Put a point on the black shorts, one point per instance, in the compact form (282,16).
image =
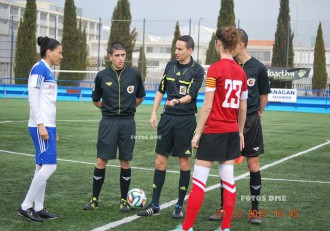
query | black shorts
(116,133)
(219,147)
(174,135)
(253,139)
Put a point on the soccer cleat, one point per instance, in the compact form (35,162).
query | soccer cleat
(92,204)
(177,213)
(29,214)
(149,211)
(255,220)
(179,228)
(44,213)
(217,216)
(124,206)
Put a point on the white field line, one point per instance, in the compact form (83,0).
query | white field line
(173,202)
(152,169)
(170,203)
(300,181)
(84,162)
(78,121)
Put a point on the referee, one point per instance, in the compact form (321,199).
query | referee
(118,91)
(181,81)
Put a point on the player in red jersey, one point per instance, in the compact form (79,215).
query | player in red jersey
(219,133)
(258,88)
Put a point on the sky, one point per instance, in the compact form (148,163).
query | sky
(257,17)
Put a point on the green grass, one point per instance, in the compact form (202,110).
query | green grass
(285,133)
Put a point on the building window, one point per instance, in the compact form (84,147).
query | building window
(3,7)
(52,19)
(51,32)
(15,26)
(3,11)
(4,28)
(14,10)
(149,49)
(60,20)
(43,17)
(60,33)
(152,63)
(91,28)
(168,50)
(157,50)
(43,30)
(84,24)
(263,56)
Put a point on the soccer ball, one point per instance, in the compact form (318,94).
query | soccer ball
(136,198)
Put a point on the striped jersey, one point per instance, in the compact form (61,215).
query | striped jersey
(228,81)
(42,88)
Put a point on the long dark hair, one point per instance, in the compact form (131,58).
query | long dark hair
(46,43)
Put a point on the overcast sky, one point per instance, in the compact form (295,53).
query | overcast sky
(257,17)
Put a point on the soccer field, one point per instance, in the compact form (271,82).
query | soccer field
(295,171)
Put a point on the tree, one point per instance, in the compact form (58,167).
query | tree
(120,30)
(282,34)
(226,18)
(26,43)
(319,79)
(211,53)
(177,35)
(142,64)
(82,50)
(71,45)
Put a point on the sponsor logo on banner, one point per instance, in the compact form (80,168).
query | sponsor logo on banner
(282,95)
(287,74)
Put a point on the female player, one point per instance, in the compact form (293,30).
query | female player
(42,90)
(219,133)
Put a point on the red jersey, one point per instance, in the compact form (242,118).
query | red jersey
(228,80)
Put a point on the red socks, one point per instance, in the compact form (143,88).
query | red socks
(229,194)
(196,196)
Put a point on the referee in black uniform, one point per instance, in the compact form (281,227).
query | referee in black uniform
(258,87)
(181,81)
(121,90)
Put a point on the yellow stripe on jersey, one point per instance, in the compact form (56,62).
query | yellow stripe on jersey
(162,83)
(185,82)
(210,82)
(191,82)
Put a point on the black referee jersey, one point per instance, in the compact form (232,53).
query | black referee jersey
(118,91)
(257,81)
(181,80)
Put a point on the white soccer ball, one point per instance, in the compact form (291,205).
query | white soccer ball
(136,198)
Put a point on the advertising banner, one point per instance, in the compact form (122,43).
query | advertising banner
(287,74)
(282,95)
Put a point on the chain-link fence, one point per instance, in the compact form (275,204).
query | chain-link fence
(156,37)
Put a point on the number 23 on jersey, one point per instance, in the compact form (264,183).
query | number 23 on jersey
(233,93)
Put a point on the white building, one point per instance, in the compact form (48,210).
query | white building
(49,23)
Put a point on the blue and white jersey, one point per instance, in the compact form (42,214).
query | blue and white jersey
(42,89)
